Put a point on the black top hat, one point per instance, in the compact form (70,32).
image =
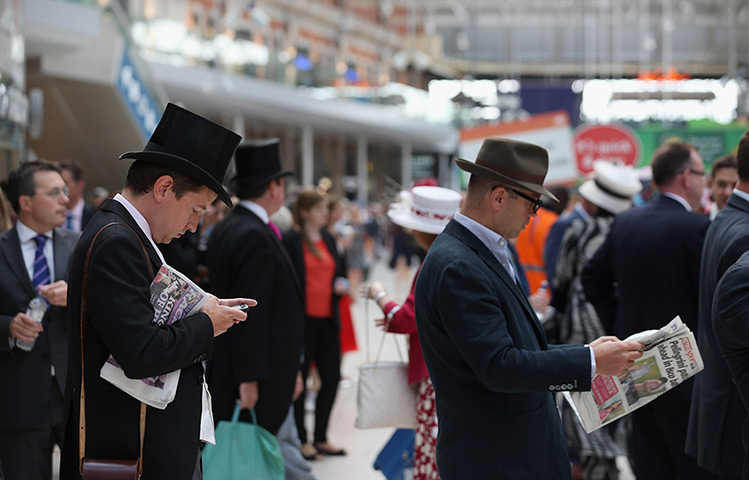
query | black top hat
(513,163)
(258,162)
(191,145)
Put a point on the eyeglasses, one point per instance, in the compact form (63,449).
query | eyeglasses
(536,202)
(56,193)
(695,172)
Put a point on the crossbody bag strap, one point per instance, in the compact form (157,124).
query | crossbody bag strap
(84,323)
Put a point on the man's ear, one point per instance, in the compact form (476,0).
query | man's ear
(161,187)
(497,197)
(24,203)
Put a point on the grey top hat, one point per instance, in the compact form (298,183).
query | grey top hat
(192,145)
(512,163)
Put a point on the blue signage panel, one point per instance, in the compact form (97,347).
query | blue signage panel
(145,110)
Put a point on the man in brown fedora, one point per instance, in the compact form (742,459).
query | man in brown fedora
(169,185)
(494,374)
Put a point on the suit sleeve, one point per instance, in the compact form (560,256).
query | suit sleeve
(598,284)
(120,311)
(731,324)
(479,323)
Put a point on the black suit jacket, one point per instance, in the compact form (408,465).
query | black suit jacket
(25,377)
(120,323)
(717,413)
(494,374)
(88,213)
(292,241)
(731,327)
(246,259)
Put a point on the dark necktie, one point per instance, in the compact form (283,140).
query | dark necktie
(41,268)
(275,229)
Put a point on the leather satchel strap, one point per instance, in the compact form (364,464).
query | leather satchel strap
(84,323)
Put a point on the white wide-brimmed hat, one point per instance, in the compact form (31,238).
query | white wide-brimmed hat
(612,186)
(426,209)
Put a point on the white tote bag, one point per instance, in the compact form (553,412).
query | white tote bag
(384,398)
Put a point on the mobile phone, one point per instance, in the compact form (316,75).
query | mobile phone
(243,307)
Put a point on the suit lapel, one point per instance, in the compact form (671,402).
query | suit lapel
(11,249)
(118,209)
(464,235)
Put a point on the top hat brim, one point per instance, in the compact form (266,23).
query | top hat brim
(473,168)
(183,166)
(248,184)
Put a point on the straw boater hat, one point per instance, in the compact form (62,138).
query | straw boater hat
(612,186)
(258,162)
(425,209)
(191,145)
(511,163)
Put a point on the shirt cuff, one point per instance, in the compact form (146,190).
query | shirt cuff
(592,362)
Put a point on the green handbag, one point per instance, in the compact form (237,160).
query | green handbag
(243,451)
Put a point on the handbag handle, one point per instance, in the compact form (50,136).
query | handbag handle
(235,415)
(84,323)
(382,340)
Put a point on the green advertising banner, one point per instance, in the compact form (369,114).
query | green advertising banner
(712,139)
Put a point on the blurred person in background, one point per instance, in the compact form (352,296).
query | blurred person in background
(724,176)
(34,258)
(7,214)
(315,258)
(79,212)
(611,191)
(348,243)
(424,211)
(97,195)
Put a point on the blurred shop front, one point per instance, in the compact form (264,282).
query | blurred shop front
(14,116)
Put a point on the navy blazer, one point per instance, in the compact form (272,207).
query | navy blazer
(729,318)
(717,413)
(120,323)
(26,382)
(245,259)
(494,374)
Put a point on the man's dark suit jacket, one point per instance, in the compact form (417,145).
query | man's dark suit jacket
(646,273)
(88,213)
(26,390)
(731,328)
(246,259)
(717,413)
(120,323)
(494,374)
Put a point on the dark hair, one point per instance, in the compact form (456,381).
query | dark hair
(724,161)
(256,192)
(478,187)
(142,175)
(742,157)
(21,180)
(75,169)
(305,201)
(669,160)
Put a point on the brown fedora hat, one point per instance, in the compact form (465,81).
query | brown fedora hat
(512,163)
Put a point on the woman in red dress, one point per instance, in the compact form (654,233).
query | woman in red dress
(425,211)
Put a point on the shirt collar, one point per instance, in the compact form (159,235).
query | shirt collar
(495,242)
(679,199)
(26,234)
(141,221)
(256,209)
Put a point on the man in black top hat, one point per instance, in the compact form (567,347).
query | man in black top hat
(494,373)
(170,184)
(257,362)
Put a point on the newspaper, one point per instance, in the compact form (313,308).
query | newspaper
(670,356)
(173,297)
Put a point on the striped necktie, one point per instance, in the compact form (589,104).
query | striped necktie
(41,268)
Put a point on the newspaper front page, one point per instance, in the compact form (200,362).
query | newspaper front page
(670,357)
(173,297)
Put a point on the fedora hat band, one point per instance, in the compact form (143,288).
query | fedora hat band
(512,173)
(608,191)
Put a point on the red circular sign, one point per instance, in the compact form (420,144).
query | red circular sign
(614,143)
